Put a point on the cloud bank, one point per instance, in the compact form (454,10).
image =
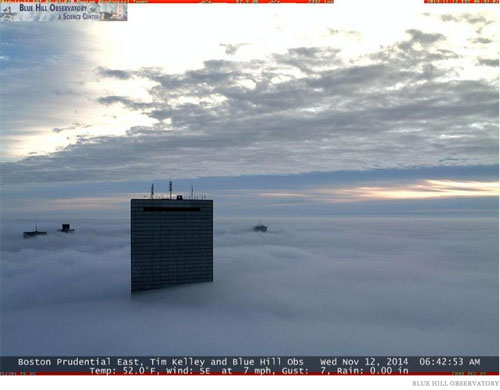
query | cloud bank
(325,286)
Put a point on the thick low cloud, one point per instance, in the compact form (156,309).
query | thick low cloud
(324,286)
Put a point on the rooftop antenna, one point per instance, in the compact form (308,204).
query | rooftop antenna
(170,188)
(191,192)
(152,191)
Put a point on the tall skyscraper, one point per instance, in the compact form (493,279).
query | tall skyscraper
(171,242)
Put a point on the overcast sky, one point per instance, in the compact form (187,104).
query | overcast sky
(288,90)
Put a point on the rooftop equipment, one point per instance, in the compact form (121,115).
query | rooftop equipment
(260,227)
(34,233)
(66,228)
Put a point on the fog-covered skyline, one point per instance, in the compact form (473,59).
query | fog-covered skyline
(355,286)
(366,140)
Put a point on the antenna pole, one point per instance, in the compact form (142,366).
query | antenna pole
(170,188)
(152,191)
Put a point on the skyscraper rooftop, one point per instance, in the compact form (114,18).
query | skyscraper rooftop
(171,242)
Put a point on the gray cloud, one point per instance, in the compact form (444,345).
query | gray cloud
(231,49)
(130,103)
(309,59)
(488,62)
(297,112)
(479,20)
(74,126)
(482,40)
(469,18)
(423,38)
(113,73)
(332,286)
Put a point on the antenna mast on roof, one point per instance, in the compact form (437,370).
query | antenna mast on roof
(152,191)
(170,188)
(191,192)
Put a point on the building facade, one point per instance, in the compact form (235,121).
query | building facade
(171,242)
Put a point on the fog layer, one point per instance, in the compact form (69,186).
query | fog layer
(374,286)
